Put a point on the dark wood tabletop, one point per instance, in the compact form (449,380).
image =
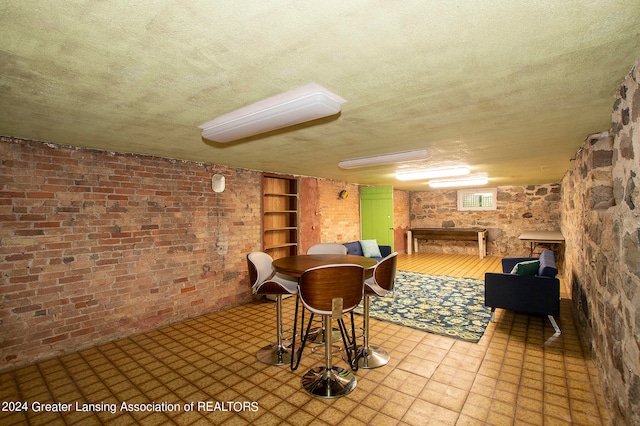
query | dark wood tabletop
(296,265)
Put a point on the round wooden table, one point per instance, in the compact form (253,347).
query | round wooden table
(296,265)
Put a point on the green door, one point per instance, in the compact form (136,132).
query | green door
(376,214)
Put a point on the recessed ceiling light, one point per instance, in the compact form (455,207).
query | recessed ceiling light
(432,173)
(474,180)
(287,109)
(395,157)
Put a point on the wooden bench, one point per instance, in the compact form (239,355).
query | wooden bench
(457,234)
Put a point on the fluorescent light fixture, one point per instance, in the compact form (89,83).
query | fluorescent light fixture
(473,180)
(395,157)
(432,173)
(287,109)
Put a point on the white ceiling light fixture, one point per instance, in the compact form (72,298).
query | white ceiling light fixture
(297,106)
(433,173)
(473,180)
(376,160)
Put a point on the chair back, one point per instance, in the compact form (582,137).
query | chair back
(260,269)
(384,273)
(319,286)
(327,248)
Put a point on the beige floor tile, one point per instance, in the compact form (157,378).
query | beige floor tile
(509,377)
(454,377)
(397,405)
(445,396)
(419,366)
(405,382)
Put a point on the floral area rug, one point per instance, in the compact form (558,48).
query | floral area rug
(442,305)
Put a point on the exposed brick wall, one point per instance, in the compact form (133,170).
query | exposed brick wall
(324,217)
(96,245)
(601,223)
(519,209)
(340,218)
(327,218)
(310,220)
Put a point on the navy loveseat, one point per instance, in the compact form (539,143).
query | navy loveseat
(355,247)
(536,291)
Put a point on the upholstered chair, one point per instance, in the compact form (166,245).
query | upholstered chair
(265,281)
(382,281)
(327,248)
(330,291)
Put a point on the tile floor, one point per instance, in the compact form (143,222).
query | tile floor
(204,371)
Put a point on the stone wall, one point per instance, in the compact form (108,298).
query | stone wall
(601,224)
(519,208)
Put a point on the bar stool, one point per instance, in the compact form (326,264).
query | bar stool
(266,281)
(316,336)
(330,291)
(384,275)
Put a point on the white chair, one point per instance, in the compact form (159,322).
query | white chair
(327,248)
(264,280)
(382,281)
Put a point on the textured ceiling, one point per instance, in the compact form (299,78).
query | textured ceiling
(510,88)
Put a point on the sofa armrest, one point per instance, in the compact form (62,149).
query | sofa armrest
(522,293)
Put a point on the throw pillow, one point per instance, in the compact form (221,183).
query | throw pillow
(530,267)
(354,248)
(370,248)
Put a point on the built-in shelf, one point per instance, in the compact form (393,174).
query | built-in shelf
(281,246)
(280,195)
(281,211)
(280,233)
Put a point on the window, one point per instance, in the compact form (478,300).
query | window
(477,199)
